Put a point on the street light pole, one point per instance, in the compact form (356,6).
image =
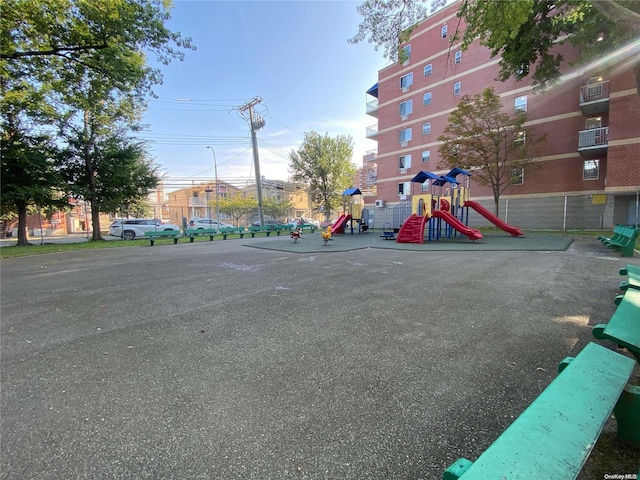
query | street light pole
(215,170)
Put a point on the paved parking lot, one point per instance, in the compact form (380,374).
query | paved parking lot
(215,360)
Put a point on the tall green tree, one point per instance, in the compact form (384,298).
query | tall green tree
(108,171)
(491,144)
(30,176)
(324,163)
(53,52)
(522,32)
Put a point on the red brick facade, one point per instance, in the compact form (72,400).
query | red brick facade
(560,167)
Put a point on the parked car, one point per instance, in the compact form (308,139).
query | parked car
(266,223)
(200,223)
(306,221)
(130,228)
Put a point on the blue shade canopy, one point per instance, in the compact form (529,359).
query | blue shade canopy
(373,91)
(352,191)
(457,171)
(444,180)
(424,176)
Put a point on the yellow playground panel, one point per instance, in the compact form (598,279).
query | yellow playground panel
(421,204)
(459,196)
(425,204)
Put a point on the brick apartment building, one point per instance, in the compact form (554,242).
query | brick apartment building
(587,173)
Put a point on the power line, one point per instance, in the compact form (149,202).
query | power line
(284,125)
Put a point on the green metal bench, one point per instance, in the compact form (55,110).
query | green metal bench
(308,226)
(617,234)
(198,232)
(281,228)
(626,243)
(258,229)
(633,281)
(231,230)
(554,436)
(624,326)
(153,236)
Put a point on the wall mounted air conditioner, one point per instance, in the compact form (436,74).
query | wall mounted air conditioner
(404,117)
(404,144)
(403,171)
(379,203)
(405,89)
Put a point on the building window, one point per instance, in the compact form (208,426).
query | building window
(520,104)
(406,108)
(443,31)
(456,88)
(426,156)
(593,123)
(517,176)
(458,56)
(404,188)
(405,135)
(426,186)
(406,81)
(426,99)
(404,161)
(406,54)
(519,139)
(426,128)
(428,69)
(591,170)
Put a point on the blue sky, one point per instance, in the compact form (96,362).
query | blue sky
(292,54)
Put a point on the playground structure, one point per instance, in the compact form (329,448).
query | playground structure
(354,217)
(445,211)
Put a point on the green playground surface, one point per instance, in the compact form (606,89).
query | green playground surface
(313,243)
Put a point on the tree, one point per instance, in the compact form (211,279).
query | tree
(54,51)
(30,176)
(109,171)
(483,139)
(238,205)
(324,163)
(277,209)
(522,32)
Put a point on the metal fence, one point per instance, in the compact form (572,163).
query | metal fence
(566,212)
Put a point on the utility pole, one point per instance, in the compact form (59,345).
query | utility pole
(256,122)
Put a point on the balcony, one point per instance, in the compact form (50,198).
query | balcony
(370,156)
(372,132)
(372,108)
(593,142)
(594,98)
(197,202)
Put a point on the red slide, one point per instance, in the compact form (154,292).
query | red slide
(472,233)
(514,231)
(338,227)
(412,230)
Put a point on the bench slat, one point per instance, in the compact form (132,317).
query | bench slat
(554,436)
(624,326)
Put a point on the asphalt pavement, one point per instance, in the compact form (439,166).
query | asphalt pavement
(214,360)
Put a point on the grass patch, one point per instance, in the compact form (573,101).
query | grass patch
(38,249)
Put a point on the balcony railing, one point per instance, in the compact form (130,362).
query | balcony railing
(372,108)
(594,141)
(372,132)
(594,98)
(197,202)
(370,156)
